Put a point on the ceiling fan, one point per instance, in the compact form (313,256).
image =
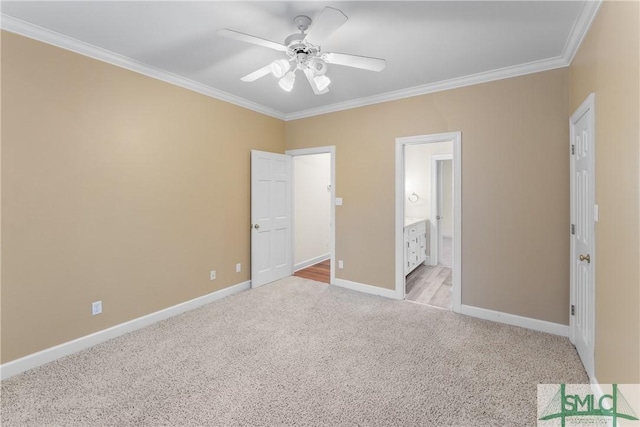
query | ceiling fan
(304,52)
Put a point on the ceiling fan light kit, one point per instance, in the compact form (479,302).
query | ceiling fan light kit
(303,50)
(280,67)
(287,82)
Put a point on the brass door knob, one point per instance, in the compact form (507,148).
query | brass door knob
(586,257)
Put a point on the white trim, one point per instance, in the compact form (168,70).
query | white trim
(367,289)
(331,149)
(474,79)
(580,29)
(34,360)
(515,320)
(313,261)
(595,387)
(23,28)
(578,32)
(456,137)
(598,393)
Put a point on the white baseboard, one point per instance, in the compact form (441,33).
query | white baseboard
(310,262)
(34,360)
(598,393)
(427,260)
(515,320)
(595,387)
(367,289)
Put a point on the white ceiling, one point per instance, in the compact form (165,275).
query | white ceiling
(428,45)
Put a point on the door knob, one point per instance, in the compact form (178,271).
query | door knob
(586,258)
(256,226)
(438,217)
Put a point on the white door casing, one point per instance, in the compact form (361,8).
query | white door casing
(456,137)
(330,149)
(271,213)
(582,244)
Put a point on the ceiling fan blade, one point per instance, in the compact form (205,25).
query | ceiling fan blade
(314,86)
(363,62)
(257,74)
(251,39)
(326,23)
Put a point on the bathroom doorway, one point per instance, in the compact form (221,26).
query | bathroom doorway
(428,220)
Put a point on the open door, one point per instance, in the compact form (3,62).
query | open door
(582,243)
(271,223)
(438,210)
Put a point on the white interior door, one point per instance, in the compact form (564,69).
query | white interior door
(582,318)
(270,217)
(435,237)
(439,203)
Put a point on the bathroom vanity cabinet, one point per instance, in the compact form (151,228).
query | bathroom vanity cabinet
(415,243)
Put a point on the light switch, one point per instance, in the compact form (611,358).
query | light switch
(338,201)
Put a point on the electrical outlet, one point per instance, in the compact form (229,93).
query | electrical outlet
(238,268)
(340,264)
(212,275)
(96,308)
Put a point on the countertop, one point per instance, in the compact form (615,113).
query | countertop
(410,221)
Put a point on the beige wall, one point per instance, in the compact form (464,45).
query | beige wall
(312,207)
(515,187)
(125,189)
(115,187)
(607,64)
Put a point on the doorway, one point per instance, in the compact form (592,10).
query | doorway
(414,198)
(313,238)
(582,242)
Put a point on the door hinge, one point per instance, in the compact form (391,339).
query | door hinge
(573,229)
(573,310)
(573,149)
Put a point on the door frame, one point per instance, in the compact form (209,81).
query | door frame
(587,107)
(401,143)
(434,230)
(330,149)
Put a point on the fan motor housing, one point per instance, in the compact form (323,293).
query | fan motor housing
(302,22)
(298,48)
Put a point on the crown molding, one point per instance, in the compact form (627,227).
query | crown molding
(484,77)
(578,32)
(23,28)
(580,28)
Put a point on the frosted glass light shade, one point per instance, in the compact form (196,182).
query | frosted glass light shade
(322,82)
(286,83)
(280,67)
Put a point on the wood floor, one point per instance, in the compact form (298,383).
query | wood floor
(430,285)
(319,272)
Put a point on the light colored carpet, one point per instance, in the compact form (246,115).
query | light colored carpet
(304,353)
